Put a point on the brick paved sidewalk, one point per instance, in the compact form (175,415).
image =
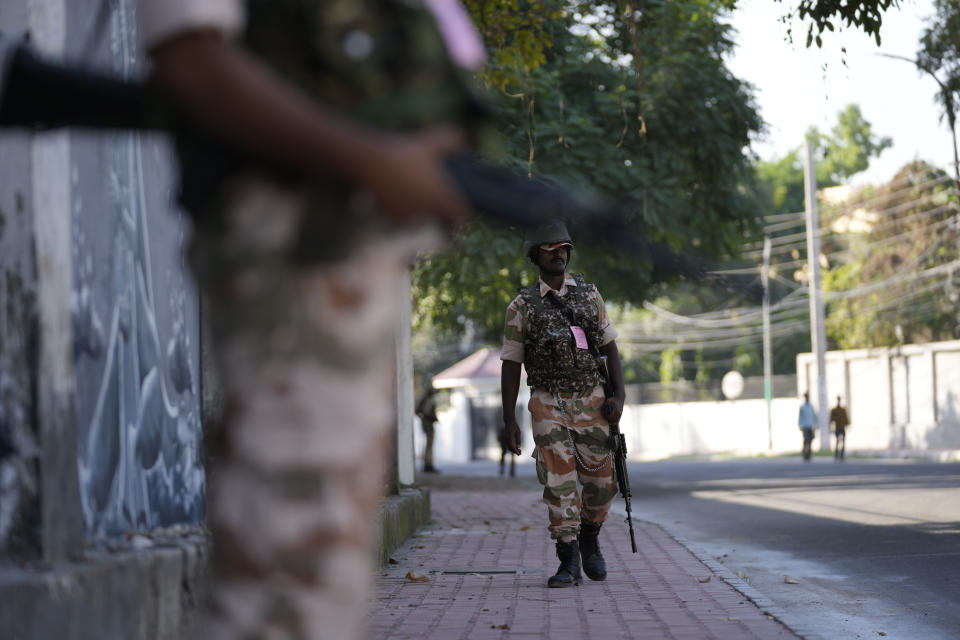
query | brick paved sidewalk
(486,558)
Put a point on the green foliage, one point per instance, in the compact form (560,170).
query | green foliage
(843,153)
(849,147)
(910,232)
(631,102)
(626,104)
(939,55)
(826,15)
(780,182)
(671,365)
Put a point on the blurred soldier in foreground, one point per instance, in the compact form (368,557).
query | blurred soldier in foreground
(307,212)
(558,328)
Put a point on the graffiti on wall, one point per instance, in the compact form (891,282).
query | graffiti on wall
(19,444)
(136,336)
(19,452)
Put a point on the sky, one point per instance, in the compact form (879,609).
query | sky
(797,88)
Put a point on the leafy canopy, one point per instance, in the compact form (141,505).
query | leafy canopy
(939,55)
(627,100)
(631,105)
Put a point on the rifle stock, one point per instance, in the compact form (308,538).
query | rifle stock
(618,445)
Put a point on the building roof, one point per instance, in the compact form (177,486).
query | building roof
(481,366)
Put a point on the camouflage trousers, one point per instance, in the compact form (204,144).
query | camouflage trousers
(307,371)
(559,470)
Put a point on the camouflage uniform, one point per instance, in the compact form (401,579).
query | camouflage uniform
(302,281)
(566,401)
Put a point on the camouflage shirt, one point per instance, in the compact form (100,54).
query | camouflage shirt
(540,335)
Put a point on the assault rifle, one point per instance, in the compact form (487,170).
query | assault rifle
(618,446)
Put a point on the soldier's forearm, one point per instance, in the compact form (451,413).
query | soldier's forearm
(234,94)
(509,389)
(614,368)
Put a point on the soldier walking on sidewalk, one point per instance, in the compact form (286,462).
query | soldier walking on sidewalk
(558,329)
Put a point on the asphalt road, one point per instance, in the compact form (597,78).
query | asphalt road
(860,549)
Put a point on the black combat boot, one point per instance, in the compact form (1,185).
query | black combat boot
(593,563)
(568,575)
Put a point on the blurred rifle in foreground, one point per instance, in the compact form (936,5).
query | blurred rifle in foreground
(40,95)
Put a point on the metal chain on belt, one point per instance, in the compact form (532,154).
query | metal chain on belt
(563,411)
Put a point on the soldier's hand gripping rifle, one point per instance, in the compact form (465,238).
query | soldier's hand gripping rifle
(618,447)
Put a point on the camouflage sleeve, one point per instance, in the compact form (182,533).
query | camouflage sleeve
(609,333)
(514,331)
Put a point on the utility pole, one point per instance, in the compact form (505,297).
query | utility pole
(818,333)
(767,350)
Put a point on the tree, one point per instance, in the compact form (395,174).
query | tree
(630,100)
(828,14)
(633,106)
(939,56)
(897,270)
(842,154)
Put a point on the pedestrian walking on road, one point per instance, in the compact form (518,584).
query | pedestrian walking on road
(309,206)
(840,421)
(558,329)
(807,421)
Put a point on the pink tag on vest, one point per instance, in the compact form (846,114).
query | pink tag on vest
(579,337)
(463,42)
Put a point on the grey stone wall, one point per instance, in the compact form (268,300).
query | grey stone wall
(19,438)
(897,397)
(135,312)
(104,437)
(101,469)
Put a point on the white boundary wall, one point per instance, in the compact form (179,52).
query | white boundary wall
(655,431)
(898,398)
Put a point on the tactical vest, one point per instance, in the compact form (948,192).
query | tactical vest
(381,62)
(551,357)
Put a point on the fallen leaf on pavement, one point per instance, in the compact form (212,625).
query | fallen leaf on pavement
(789,580)
(413,576)
(500,626)
(703,580)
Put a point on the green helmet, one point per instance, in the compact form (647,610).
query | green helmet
(551,233)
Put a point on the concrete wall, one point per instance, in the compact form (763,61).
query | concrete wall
(135,315)
(656,431)
(100,425)
(899,398)
(19,435)
(99,339)
(653,431)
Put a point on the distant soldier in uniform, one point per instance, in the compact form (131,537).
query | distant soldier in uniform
(558,328)
(427,412)
(840,421)
(309,205)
